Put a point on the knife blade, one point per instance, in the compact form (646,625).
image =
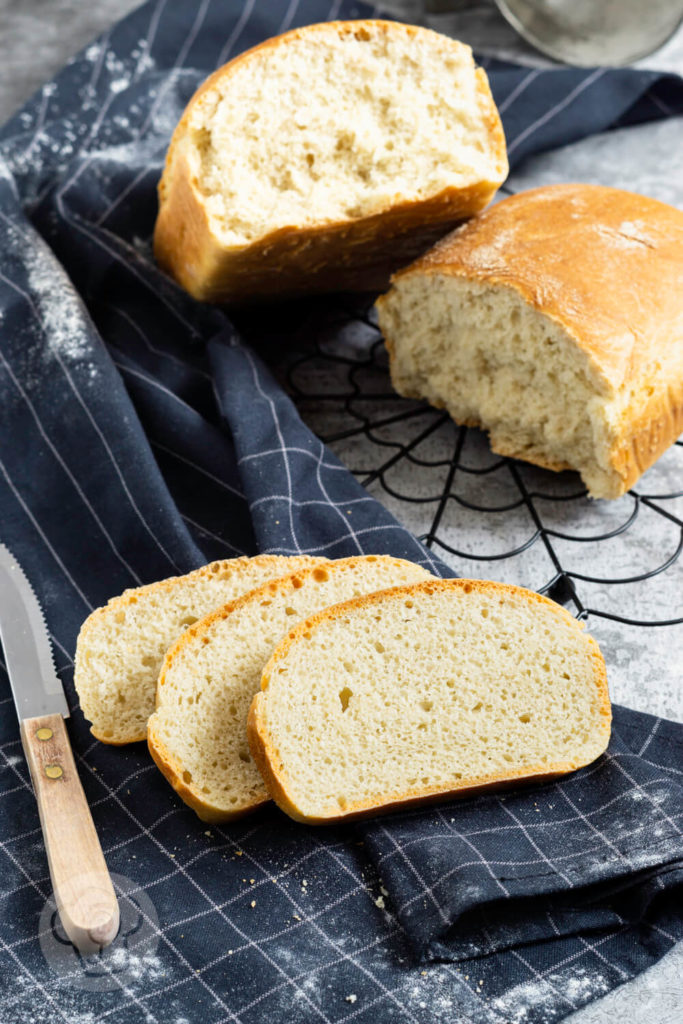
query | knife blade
(83,891)
(36,687)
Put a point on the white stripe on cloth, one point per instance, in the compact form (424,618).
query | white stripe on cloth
(42,893)
(289,16)
(214,906)
(535,845)
(44,537)
(148,43)
(62,462)
(130,186)
(199,469)
(236,33)
(518,90)
(549,114)
(157,351)
(81,401)
(283,450)
(230,548)
(427,890)
(177,64)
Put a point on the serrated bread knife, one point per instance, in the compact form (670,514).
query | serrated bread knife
(83,891)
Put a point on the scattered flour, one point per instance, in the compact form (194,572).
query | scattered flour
(308,989)
(422,991)
(22,1003)
(529,1000)
(142,57)
(638,231)
(132,967)
(629,235)
(67,332)
(93,52)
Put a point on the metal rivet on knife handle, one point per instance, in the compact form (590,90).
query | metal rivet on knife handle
(44,734)
(54,771)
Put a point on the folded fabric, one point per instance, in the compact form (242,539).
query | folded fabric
(597,851)
(141,435)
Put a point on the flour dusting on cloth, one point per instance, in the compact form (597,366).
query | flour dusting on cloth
(63,315)
(526,1002)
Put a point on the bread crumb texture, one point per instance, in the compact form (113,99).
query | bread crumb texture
(121,646)
(197,735)
(554,321)
(325,158)
(336,123)
(423,691)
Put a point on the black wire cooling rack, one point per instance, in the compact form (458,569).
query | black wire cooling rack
(486,516)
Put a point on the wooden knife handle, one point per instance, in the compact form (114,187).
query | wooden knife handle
(83,891)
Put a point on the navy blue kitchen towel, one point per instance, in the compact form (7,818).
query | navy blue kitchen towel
(141,435)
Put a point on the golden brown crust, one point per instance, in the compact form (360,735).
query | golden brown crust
(138,738)
(266,757)
(353,254)
(648,432)
(170,766)
(607,266)
(575,252)
(172,771)
(131,597)
(218,568)
(264,590)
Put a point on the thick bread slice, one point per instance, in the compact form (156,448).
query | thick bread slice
(121,646)
(554,320)
(423,692)
(197,736)
(323,159)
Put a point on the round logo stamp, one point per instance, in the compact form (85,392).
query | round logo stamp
(130,958)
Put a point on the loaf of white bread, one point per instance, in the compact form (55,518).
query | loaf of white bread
(554,320)
(325,158)
(198,733)
(416,693)
(121,646)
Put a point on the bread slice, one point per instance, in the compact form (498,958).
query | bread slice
(437,689)
(323,159)
(121,646)
(197,736)
(553,320)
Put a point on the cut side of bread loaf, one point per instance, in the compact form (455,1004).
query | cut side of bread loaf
(323,159)
(554,321)
(423,692)
(197,736)
(121,646)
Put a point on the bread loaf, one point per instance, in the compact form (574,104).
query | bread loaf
(437,689)
(323,159)
(554,321)
(121,646)
(197,736)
